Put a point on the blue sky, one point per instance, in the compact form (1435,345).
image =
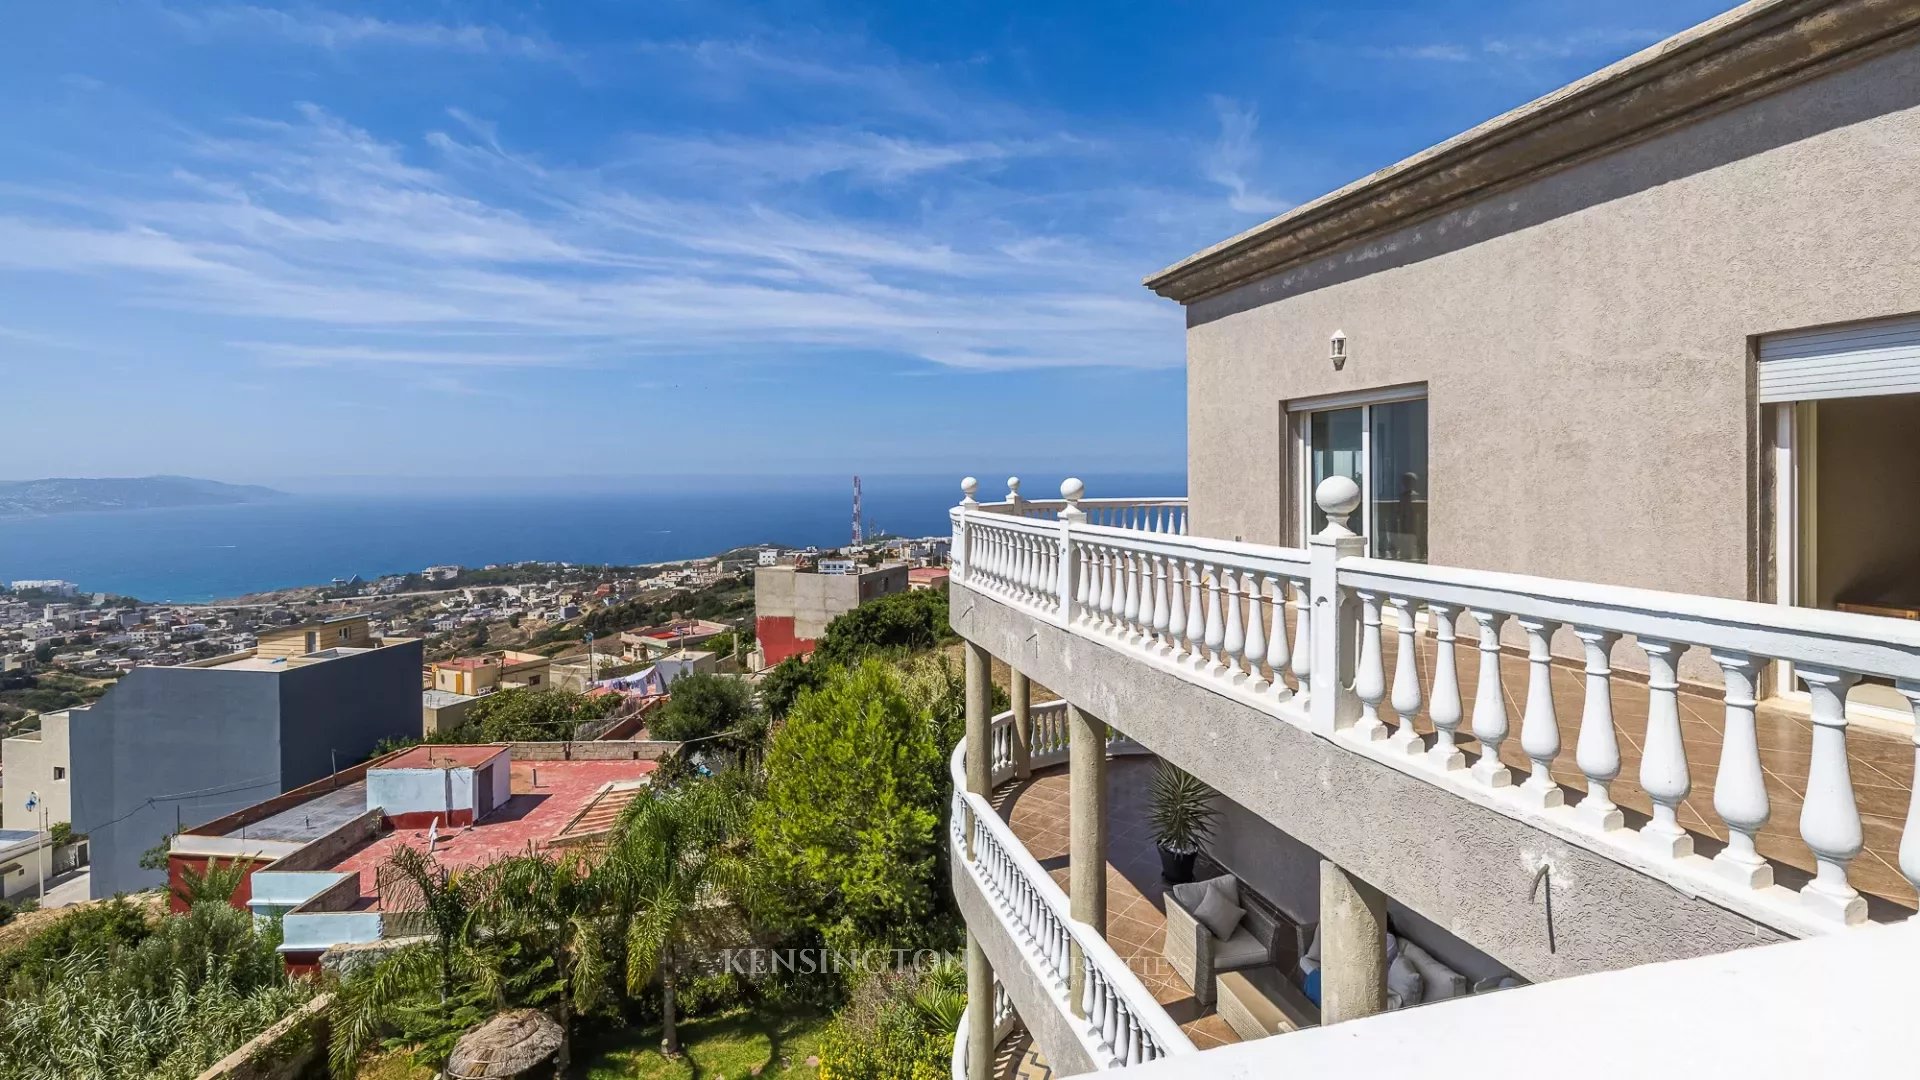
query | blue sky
(339,244)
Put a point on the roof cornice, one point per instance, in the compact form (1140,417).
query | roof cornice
(1753,50)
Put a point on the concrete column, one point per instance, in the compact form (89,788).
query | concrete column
(979,1011)
(979,674)
(1087,828)
(1353,947)
(1022,693)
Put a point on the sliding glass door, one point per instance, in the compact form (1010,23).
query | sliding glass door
(1381,446)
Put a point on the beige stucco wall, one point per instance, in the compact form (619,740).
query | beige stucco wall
(26,765)
(1585,338)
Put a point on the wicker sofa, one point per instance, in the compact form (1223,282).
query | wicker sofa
(1264,937)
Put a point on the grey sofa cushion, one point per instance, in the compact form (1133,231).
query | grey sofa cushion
(1219,914)
(1191,894)
(1242,950)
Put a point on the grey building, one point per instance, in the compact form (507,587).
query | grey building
(173,746)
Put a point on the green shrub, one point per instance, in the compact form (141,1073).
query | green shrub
(848,835)
(888,1032)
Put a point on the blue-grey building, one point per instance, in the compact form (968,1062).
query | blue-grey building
(174,746)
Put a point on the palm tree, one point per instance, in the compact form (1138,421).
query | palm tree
(671,867)
(448,903)
(553,905)
(218,882)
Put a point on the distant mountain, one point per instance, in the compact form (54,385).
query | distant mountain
(74,495)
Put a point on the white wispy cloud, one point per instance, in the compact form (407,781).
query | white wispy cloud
(326,29)
(1235,155)
(1519,49)
(327,231)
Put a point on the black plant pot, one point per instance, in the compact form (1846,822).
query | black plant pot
(1176,867)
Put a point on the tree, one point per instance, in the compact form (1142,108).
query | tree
(217,883)
(553,907)
(717,710)
(783,684)
(903,622)
(448,902)
(673,864)
(848,836)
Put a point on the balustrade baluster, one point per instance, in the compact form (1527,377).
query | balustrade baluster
(1103,589)
(1406,677)
(1083,585)
(1490,702)
(1130,610)
(1234,642)
(1161,616)
(1208,658)
(1278,652)
(1189,644)
(1663,758)
(1302,640)
(1369,675)
(1111,590)
(1256,630)
(1830,819)
(1176,610)
(1910,835)
(1539,726)
(1598,750)
(1739,786)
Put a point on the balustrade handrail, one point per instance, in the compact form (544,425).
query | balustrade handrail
(1859,643)
(1140,1003)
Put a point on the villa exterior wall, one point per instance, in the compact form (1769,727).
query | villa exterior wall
(1584,338)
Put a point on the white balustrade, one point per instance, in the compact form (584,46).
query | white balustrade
(1116,1019)
(1213,612)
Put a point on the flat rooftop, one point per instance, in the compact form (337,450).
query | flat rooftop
(314,818)
(546,798)
(440,699)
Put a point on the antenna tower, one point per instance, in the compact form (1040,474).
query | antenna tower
(856,510)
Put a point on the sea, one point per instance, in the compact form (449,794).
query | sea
(204,553)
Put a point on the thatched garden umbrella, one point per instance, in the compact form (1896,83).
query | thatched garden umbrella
(510,1044)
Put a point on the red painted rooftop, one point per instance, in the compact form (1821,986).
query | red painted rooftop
(443,757)
(467,663)
(534,815)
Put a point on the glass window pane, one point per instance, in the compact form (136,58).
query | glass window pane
(1333,439)
(1398,447)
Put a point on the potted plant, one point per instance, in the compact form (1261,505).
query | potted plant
(1182,814)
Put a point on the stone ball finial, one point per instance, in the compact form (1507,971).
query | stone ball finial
(1071,489)
(1337,496)
(969,487)
(1013,488)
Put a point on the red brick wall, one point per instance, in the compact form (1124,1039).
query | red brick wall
(777,640)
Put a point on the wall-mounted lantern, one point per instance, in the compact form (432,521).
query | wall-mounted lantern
(1337,350)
